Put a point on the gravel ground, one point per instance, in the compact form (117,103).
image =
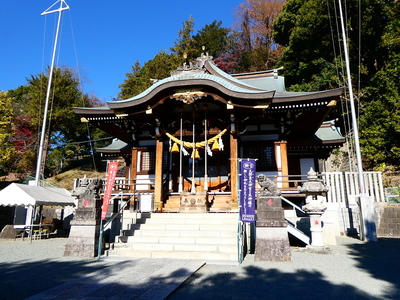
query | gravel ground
(351,270)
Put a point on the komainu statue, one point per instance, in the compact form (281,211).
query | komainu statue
(267,186)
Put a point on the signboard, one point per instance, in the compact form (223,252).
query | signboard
(111,174)
(247,186)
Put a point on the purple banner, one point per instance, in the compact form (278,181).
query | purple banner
(247,187)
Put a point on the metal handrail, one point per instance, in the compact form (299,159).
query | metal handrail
(117,213)
(293,205)
(294,209)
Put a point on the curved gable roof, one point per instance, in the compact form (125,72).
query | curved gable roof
(209,77)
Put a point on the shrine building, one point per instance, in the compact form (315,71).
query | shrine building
(181,139)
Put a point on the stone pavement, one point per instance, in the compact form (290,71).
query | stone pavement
(139,279)
(351,270)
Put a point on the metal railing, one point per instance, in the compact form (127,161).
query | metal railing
(392,195)
(294,208)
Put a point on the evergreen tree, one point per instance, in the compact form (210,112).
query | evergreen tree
(185,45)
(311,34)
(7,152)
(63,127)
(213,37)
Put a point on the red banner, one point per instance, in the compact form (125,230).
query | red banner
(111,174)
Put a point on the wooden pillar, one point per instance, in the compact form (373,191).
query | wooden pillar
(133,174)
(158,191)
(234,168)
(282,161)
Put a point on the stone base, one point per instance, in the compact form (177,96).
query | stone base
(316,249)
(193,203)
(8,232)
(272,244)
(82,241)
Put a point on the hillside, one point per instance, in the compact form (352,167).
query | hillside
(66,179)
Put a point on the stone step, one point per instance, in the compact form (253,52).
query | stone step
(223,248)
(204,240)
(210,236)
(168,205)
(231,257)
(162,226)
(177,216)
(183,233)
(171,210)
(187,220)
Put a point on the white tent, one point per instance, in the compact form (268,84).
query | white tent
(17,194)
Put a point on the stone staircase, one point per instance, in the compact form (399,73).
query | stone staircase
(205,236)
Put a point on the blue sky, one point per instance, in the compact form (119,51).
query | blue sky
(102,39)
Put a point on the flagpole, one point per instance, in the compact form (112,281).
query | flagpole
(366,203)
(46,106)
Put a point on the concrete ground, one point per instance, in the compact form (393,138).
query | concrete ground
(351,270)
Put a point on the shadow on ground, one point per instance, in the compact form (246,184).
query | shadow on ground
(88,280)
(267,284)
(380,259)
(19,280)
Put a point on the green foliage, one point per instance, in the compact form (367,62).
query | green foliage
(63,125)
(303,29)
(185,45)
(140,78)
(380,119)
(65,94)
(213,37)
(6,151)
(312,60)
(134,83)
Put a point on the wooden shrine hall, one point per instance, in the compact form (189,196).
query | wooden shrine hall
(182,137)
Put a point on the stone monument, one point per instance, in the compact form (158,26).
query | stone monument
(272,241)
(85,226)
(315,192)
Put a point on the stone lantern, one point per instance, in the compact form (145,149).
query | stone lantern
(315,191)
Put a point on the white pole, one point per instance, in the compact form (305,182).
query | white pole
(367,205)
(46,106)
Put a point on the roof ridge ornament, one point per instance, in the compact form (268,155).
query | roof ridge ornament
(193,67)
(187,96)
(188,67)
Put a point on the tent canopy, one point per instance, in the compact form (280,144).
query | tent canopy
(17,194)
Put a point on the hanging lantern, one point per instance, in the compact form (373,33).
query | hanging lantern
(215,146)
(175,148)
(195,154)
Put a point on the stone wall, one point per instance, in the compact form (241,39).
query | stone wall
(389,225)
